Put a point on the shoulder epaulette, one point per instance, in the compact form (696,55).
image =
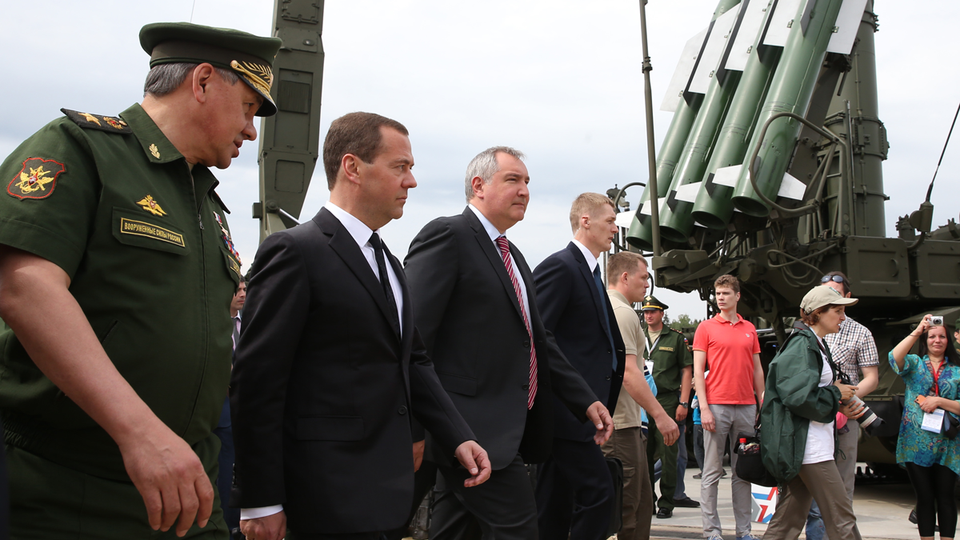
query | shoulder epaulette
(217,198)
(111,124)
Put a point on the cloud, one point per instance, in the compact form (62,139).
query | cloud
(560,80)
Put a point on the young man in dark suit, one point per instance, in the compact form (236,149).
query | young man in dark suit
(476,308)
(330,366)
(574,487)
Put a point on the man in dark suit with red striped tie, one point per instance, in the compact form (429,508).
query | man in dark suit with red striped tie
(475,306)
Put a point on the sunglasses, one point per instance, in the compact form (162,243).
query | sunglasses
(834,278)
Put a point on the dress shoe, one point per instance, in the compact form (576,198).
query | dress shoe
(686,502)
(698,476)
(664,513)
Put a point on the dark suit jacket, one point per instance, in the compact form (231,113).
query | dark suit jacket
(469,316)
(322,388)
(573,311)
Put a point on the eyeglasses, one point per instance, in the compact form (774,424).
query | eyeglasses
(835,278)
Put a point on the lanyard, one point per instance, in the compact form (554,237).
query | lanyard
(652,346)
(936,375)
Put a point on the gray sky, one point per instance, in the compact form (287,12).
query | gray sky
(559,80)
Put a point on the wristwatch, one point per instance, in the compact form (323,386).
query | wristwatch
(685,404)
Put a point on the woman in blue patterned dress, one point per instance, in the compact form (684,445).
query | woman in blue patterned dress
(931,459)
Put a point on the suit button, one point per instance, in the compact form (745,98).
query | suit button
(526,344)
(402,410)
(526,387)
(608,377)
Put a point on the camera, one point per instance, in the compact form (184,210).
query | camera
(936,320)
(869,420)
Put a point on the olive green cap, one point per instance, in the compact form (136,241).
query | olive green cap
(650,303)
(250,56)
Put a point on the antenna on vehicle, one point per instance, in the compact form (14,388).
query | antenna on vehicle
(922,219)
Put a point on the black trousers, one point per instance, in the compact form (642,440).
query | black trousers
(934,487)
(502,508)
(574,493)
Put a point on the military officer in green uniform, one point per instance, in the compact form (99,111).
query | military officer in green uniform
(671,362)
(116,272)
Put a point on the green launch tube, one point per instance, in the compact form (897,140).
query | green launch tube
(676,223)
(790,91)
(640,234)
(713,207)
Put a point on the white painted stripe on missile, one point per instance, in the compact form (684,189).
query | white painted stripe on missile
(747,36)
(681,74)
(688,192)
(791,188)
(848,23)
(710,58)
(727,176)
(646,209)
(781,21)
(625,219)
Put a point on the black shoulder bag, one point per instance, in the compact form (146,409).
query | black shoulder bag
(750,459)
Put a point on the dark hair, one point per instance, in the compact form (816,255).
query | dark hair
(727,281)
(813,317)
(356,133)
(845,283)
(950,353)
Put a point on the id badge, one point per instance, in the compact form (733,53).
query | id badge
(933,422)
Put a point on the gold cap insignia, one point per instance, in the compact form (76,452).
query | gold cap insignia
(34,177)
(155,151)
(149,204)
(260,76)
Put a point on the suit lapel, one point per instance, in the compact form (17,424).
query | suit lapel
(347,249)
(493,257)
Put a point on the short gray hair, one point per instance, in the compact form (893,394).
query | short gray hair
(485,166)
(165,78)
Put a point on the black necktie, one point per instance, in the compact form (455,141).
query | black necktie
(385,281)
(606,316)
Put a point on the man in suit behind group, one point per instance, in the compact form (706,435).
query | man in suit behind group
(476,308)
(330,366)
(574,487)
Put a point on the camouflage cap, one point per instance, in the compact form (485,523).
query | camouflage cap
(651,303)
(250,56)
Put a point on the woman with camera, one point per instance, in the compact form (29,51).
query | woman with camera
(930,456)
(798,437)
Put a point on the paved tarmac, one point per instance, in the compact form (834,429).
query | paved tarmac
(881,509)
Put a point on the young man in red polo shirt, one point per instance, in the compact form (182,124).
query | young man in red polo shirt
(727,346)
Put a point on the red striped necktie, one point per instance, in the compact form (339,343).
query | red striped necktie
(508,263)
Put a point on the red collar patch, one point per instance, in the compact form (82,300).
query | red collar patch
(36,179)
